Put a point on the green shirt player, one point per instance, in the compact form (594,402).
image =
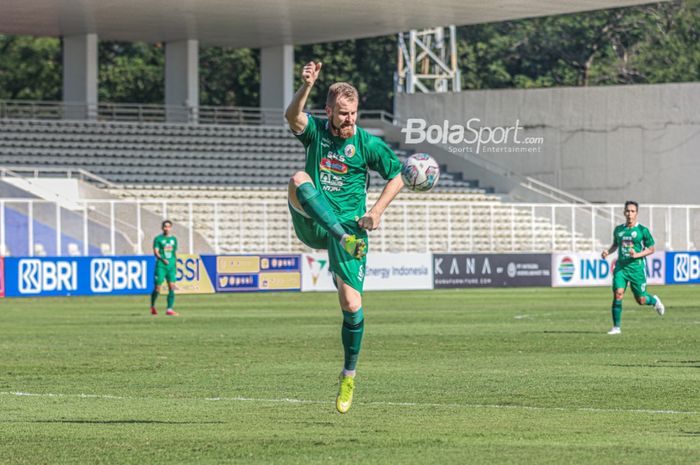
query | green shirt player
(165,250)
(327,201)
(633,242)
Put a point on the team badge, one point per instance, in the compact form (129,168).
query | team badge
(349,150)
(634,234)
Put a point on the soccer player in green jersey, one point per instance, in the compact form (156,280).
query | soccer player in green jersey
(327,201)
(165,250)
(633,242)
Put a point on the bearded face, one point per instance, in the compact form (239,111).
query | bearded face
(342,117)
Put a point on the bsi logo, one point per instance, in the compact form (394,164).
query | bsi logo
(37,276)
(108,275)
(188,269)
(686,267)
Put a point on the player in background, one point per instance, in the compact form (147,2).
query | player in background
(633,242)
(165,250)
(327,201)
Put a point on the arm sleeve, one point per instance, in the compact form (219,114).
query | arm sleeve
(155,243)
(308,134)
(176,246)
(382,159)
(648,239)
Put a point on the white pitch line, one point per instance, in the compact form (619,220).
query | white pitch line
(286,400)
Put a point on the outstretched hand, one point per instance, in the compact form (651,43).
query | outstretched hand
(310,73)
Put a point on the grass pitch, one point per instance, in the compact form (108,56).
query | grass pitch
(514,376)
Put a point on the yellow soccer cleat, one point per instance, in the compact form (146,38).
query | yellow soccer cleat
(344,399)
(354,246)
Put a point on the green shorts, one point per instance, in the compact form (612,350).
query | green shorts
(636,278)
(340,263)
(165,274)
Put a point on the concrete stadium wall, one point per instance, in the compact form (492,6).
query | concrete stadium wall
(605,144)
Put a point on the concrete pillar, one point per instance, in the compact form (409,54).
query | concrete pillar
(277,81)
(80,76)
(182,81)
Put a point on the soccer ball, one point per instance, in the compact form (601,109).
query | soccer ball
(420,172)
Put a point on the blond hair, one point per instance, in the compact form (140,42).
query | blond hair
(341,89)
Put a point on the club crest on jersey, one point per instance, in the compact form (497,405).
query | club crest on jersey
(634,233)
(334,166)
(349,150)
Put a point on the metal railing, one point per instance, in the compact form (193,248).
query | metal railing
(253,226)
(25,172)
(155,113)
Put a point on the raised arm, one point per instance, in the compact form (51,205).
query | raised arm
(295,115)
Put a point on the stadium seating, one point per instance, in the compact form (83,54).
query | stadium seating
(145,153)
(235,178)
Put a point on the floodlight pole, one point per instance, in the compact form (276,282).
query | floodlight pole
(423,61)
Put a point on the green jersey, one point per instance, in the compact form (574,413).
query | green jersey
(635,238)
(339,167)
(167,248)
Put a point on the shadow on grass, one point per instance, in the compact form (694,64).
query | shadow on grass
(120,422)
(572,332)
(661,364)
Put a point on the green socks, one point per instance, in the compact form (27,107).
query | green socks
(171,298)
(651,300)
(617,312)
(316,206)
(353,329)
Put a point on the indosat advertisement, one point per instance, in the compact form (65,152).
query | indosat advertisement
(589,269)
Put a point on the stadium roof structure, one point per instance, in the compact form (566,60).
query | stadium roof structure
(264,23)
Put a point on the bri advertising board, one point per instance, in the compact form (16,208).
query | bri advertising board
(683,268)
(589,269)
(2,277)
(64,276)
(385,271)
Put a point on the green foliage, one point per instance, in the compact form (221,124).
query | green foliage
(672,54)
(229,76)
(368,64)
(651,44)
(620,46)
(30,68)
(131,72)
